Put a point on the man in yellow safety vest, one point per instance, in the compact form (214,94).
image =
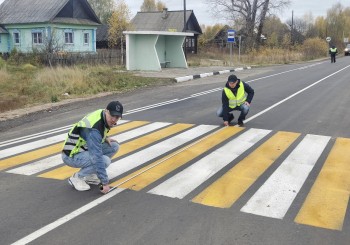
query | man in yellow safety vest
(236,95)
(89,148)
(333,52)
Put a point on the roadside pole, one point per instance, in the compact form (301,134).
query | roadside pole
(231,62)
(231,39)
(239,49)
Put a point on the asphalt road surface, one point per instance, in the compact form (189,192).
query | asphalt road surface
(183,178)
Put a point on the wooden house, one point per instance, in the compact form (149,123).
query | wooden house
(50,25)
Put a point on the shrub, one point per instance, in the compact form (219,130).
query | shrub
(314,48)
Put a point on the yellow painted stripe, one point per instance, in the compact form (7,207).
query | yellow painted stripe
(126,126)
(54,149)
(30,156)
(227,189)
(326,204)
(154,171)
(65,171)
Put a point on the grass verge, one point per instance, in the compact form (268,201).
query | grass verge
(28,85)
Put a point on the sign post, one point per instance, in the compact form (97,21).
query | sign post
(231,39)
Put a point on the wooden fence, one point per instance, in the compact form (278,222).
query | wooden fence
(110,57)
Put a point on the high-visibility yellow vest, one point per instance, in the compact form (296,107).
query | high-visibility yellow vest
(237,100)
(333,50)
(74,142)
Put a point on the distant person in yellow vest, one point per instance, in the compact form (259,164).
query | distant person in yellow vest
(89,148)
(236,96)
(333,52)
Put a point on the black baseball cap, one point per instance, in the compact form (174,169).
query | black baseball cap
(232,78)
(115,108)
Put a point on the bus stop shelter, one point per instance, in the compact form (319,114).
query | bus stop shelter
(154,50)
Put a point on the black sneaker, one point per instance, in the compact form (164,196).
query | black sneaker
(240,123)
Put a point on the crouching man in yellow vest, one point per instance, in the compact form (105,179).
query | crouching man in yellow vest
(236,95)
(89,148)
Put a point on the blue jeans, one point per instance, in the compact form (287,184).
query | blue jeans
(83,160)
(244,109)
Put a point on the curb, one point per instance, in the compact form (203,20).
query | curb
(191,77)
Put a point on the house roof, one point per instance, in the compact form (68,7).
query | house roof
(3,30)
(221,34)
(165,21)
(39,11)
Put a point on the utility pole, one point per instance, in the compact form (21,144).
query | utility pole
(185,29)
(291,31)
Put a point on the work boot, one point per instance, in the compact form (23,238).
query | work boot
(240,123)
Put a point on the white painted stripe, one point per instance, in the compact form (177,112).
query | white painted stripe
(50,162)
(280,73)
(224,71)
(33,136)
(183,79)
(139,131)
(32,145)
(38,166)
(206,74)
(36,144)
(36,234)
(132,161)
(205,92)
(275,196)
(187,180)
(151,106)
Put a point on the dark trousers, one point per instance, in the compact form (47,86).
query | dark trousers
(332,58)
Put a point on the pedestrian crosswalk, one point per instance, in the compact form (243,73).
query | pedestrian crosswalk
(213,166)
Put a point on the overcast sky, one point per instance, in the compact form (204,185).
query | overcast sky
(201,10)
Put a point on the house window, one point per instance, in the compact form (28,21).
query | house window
(16,38)
(68,37)
(86,38)
(37,37)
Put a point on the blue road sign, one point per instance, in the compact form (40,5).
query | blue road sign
(231,36)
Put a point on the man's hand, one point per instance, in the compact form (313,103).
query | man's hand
(105,189)
(110,140)
(246,103)
(226,123)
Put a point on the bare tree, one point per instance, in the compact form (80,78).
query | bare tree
(250,13)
